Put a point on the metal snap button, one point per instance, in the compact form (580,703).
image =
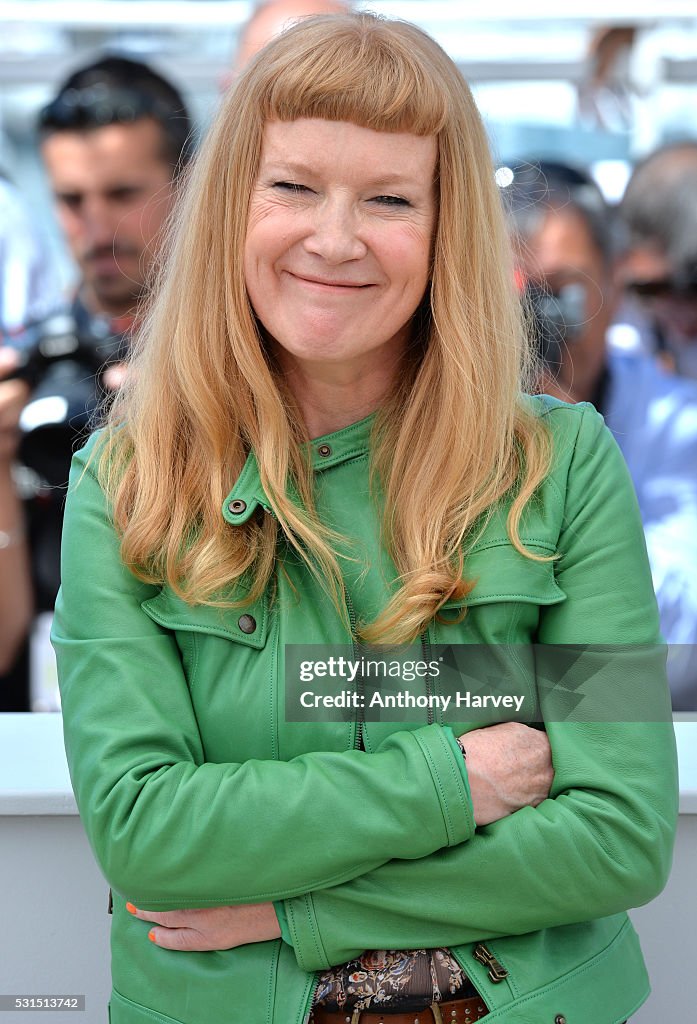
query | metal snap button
(237,507)
(247,623)
(560,1019)
(324,450)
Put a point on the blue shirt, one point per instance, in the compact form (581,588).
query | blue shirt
(653,416)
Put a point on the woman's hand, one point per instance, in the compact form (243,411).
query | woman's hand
(509,766)
(211,927)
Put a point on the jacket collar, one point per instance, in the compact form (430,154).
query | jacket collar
(325,452)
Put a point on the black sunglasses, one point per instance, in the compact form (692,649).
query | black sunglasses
(98,104)
(681,287)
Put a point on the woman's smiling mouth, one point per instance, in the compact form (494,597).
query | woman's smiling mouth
(324,283)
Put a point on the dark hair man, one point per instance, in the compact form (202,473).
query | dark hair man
(659,267)
(113,140)
(566,246)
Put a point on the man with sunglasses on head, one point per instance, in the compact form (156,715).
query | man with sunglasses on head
(567,252)
(659,268)
(113,140)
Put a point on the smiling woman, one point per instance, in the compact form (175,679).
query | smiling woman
(335,243)
(323,440)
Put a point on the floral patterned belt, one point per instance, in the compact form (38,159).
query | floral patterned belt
(387,978)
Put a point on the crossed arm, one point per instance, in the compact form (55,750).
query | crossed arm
(509,766)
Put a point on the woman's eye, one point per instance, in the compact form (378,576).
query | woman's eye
(290,186)
(391,201)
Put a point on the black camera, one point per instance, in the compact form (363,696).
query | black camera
(554,318)
(63,366)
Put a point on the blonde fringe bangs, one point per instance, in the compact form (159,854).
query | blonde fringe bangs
(451,441)
(366,72)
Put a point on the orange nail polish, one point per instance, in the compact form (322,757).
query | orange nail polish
(130,908)
(151,936)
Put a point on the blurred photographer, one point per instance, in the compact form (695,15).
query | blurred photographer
(113,141)
(15,589)
(658,269)
(567,252)
(28,292)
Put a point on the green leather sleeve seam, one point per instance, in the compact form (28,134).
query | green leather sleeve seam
(454,746)
(579,452)
(581,410)
(144,901)
(459,773)
(439,789)
(313,933)
(456,775)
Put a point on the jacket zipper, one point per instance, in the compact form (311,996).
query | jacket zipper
(426,651)
(310,1000)
(497,973)
(357,653)
(495,970)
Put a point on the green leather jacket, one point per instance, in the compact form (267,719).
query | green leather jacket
(195,790)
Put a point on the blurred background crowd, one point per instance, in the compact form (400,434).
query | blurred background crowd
(592,113)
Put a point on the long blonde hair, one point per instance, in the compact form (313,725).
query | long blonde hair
(451,440)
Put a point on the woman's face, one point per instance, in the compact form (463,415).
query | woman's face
(339,239)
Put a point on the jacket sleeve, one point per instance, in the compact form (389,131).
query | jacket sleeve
(170,829)
(603,841)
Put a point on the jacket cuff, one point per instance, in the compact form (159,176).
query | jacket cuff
(282,921)
(449,774)
(304,932)
(455,747)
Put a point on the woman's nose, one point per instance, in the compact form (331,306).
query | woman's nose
(335,233)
